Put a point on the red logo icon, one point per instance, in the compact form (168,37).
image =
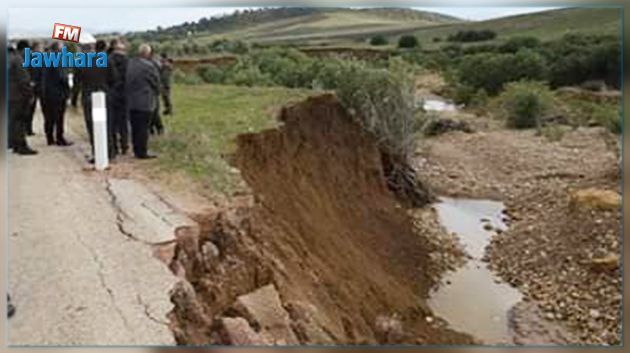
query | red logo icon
(67,33)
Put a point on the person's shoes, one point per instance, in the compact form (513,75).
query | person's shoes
(167,112)
(10,308)
(91,160)
(25,151)
(30,133)
(64,143)
(50,141)
(147,156)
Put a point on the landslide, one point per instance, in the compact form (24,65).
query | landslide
(323,228)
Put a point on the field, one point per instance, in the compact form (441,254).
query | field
(207,119)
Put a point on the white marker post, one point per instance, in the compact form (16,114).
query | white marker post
(99,119)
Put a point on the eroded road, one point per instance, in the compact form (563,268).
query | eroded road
(76,276)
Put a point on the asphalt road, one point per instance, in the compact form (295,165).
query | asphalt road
(74,277)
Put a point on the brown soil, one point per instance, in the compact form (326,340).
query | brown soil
(323,227)
(548,249)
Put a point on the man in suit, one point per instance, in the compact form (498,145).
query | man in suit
(116,99)
(36,82)
(20,100)
(142,87)
(55,92)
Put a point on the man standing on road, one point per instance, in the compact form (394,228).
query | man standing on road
(142,90)
(166,73)
(55,92)
(36,82)
(116,100)
(20,97)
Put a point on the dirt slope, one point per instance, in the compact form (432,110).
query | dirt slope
(324,229)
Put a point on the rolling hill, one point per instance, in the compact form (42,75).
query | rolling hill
(346,27)
(307,25)
(544,25)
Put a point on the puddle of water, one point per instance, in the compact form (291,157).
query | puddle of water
(438,105)
(470,298)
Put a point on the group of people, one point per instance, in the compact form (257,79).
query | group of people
(133,87)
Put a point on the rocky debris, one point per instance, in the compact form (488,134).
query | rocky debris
(165,252)
(549,248)
(593,198)
(389,330)
(263,310)
(556,119)
(440,125)
(238,332)
(192,322)
(607,263)
(309,324)
(530,326)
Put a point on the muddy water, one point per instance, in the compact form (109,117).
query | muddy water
(437,104)
(472,299)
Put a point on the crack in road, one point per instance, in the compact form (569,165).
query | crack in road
(119,212)
(101,276)
(147,312)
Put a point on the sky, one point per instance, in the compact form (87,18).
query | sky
(39,21)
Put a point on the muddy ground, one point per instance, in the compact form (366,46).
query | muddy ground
(563,254)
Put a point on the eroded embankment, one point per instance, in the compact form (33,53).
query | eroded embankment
(324,254)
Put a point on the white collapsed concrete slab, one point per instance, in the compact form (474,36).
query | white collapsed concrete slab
(144,216)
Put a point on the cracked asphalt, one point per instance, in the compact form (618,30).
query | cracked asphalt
(74,277)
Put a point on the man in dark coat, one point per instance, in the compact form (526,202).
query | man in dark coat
(55,92)
(156,126)
(142,89)
(36,82)
(95,79)
(116,99)
(166,73)
(20,98)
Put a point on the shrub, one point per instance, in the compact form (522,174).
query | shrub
(213,74)
(249,76)
(609,117)
(379,40)
(384,102)
(523,103)
(408,41)
(578,58)
(472,36)
(491,71)
(515,44)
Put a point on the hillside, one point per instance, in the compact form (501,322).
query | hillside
(543,25)
(300,24)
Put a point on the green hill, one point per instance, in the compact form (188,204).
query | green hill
(301,24)
(543,25)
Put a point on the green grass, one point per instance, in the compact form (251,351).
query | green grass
(200,135)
